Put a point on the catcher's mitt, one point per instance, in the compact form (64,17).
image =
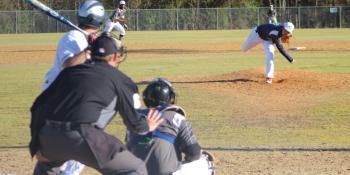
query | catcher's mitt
(286,38)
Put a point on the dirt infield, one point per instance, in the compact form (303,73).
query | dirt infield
(289,87)
(17,162)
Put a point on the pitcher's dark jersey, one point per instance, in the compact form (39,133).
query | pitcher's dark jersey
(273,33)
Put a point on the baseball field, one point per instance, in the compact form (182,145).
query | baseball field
(298,125)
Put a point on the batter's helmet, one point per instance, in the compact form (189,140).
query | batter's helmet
(288,26)
(159,92)
(91,13)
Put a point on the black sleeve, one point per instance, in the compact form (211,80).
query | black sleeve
(128,101)
(283,52)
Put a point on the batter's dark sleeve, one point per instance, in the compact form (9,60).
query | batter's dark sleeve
(127,99)
(187,142)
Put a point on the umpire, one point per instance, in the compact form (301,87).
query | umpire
(68,118)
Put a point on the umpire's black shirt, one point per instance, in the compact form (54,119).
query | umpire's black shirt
(93,93)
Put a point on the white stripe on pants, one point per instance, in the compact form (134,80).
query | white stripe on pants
(253,40)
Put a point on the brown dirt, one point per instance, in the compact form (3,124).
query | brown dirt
(292,91)
(18,162)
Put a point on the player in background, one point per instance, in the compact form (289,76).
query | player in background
(72,50)
(272,16)
(117,21)
(269,35)
(162,149)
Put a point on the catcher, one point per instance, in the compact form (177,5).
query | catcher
(162,149)
(269,35)
(117,21)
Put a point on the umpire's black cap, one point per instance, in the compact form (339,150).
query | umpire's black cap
(105,45)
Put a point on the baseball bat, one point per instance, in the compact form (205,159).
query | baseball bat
(52,13)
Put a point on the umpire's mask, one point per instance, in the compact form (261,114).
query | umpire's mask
(159,92)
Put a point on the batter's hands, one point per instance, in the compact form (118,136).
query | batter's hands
(91,38)
(153,119)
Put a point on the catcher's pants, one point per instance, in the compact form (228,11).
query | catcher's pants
(201,166)
(59,146)
(253,40)
(114,25)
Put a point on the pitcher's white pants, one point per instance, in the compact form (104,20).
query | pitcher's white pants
(253,40)
(114,25)
(198,167)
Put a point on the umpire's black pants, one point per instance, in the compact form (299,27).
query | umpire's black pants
(58,146)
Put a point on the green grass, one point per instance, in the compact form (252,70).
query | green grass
(327,124)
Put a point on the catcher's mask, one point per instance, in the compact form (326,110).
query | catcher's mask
(159,92)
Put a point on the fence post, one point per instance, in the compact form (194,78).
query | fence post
(299,17)
(57,24)
(33,23)
(16,24)
(340,17)
(217,18)
(258,15)
(137,19)
(177,19)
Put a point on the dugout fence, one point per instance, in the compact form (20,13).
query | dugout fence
(33,21)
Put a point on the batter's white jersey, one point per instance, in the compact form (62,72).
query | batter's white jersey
(71,44)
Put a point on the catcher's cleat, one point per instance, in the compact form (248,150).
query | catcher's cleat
(210,158)
(269,80)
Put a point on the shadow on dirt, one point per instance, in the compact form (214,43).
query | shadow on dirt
(239,80)
(178,51)
(278,149)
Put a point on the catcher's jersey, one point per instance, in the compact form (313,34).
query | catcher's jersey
(71,44)
(164,157)
(118,14)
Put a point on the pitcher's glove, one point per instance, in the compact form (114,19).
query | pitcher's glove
(286,38)
(122,21)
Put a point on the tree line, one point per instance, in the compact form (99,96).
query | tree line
(6,5)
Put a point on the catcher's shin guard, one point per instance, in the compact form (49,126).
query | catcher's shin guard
(210,158)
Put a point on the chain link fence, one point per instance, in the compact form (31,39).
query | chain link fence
(186,19)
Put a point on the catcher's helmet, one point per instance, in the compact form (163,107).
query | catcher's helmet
(91,13)
(159,92)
